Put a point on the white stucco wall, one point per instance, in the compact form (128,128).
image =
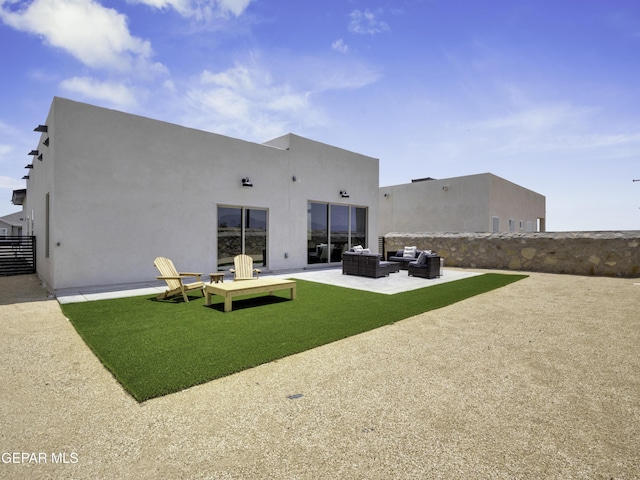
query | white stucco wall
(125,189)
(509,201)
(321,172)
(458,204)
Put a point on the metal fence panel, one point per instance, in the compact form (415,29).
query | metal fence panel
(17,255)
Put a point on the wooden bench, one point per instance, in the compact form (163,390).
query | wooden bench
(229,290)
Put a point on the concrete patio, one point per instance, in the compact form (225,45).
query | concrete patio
(394,283)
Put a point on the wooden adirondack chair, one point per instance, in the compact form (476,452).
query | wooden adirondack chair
(174,280)
(244,268)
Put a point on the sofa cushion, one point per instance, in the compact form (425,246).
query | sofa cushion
(422,258)
(409,252)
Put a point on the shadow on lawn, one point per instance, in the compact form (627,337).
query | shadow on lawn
(175,300)
(238,304)
(250,303)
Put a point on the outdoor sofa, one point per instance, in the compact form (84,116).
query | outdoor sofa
(366,264)
(404,256)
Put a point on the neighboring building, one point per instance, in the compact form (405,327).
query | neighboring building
(473,203)
(108,192)
(11,225)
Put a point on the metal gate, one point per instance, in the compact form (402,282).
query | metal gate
(17,255)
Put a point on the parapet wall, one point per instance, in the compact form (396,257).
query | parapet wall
(611,254)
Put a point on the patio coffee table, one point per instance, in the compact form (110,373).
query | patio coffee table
(229,290)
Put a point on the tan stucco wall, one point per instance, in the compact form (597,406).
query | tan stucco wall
(125,189)
(612,254)
(458,204)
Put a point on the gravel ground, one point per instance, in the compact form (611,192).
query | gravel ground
(536,380)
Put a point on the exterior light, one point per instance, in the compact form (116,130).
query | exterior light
(344,194)
(246,182)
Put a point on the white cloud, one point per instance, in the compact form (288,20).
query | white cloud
(255,101)
(366,23)
(544,117)
(340,46)
(553,130)
(245,101)
(12,142)
(237,7)
(6,152)
(346,78)
(10,183)
(113,92)
(200,9)
(97,36)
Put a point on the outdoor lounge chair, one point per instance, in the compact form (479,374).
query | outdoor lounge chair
(174,280)
(244,268)
(426,266)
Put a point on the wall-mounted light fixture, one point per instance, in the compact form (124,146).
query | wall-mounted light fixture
(33,152)
(294,179)
(344,194)
(445,188)
(246,182)
(41,128)
(386,195)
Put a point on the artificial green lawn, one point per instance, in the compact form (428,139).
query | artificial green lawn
(158,347)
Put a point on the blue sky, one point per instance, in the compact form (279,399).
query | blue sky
(544,93)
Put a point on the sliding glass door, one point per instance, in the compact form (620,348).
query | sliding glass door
(339,231)
(317,232)
(333,229)
(241,230)
(358,230)
(255,235)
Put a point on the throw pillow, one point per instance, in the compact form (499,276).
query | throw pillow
(409,252)
(357,248)
(422,258)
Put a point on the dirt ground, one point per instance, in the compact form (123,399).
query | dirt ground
(537,380)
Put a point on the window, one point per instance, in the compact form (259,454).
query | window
(47,212)
(242,230)
(496,224)
(333,229)
(512,225)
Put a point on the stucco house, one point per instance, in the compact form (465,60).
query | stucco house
(109,191)
(11,225)
(471,203)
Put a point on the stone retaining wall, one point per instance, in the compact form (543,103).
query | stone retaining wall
(611,254)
